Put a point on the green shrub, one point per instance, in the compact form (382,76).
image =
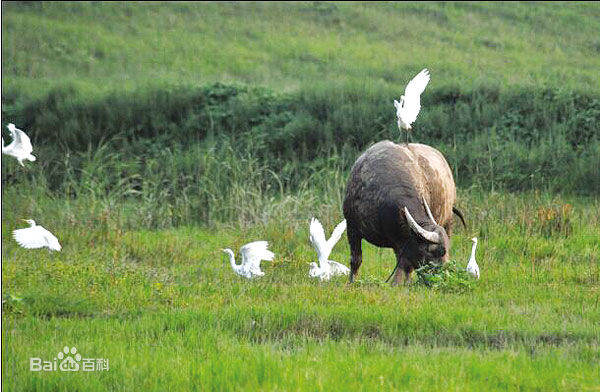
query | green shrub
(447,277)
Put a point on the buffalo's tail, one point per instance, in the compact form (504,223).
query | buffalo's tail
(393,271)
(460,215)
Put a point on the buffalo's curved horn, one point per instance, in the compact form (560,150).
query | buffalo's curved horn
(429,211)
(430,236)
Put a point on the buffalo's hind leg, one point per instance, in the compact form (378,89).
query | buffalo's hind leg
(355,241)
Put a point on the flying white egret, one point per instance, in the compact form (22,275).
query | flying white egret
(326,268)
(472,266)
(409,106)
(36,237)
(20,147)
(252,254)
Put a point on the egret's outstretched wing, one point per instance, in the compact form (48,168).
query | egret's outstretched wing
(51,240)
(17,134)
(29,238)
(412,96)
(23,141)
(338,268)
(317,238)
(336,235)
(252,254)
(36,237)
(20,147)
(417,85)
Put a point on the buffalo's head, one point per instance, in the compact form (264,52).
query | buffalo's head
(432,244)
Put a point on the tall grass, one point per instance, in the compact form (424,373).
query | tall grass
(232,153)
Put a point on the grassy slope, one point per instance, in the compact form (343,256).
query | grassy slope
(112,45)
(164,307)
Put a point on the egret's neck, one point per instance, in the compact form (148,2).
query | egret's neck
(473,250)
(231,259)
(322,257)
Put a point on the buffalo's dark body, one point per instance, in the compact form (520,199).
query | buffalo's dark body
(386,178)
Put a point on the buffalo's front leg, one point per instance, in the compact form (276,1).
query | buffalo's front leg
(355,242)
(403,271)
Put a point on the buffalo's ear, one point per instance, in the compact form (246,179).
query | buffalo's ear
(396,104)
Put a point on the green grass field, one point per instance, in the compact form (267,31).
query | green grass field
(165,308)
(146,169)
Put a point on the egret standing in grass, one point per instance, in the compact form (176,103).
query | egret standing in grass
(409,106)
(252,254)
(20,147)
(472,266)
(326,268)
(35,237)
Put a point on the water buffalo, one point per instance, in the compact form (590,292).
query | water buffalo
(388,199)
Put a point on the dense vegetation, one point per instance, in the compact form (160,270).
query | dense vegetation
(194,145)
(167,131)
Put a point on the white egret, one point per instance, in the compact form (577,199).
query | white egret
(326,268)
(20,147)
(35,237)
(472,266)
(252,254)
(409,106)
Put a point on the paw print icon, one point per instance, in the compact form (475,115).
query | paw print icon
(69,359)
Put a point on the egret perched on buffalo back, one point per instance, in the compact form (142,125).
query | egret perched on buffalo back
(326,268)
(35,237)
(252,254)
(472,266)
(409,106)
(20,147)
